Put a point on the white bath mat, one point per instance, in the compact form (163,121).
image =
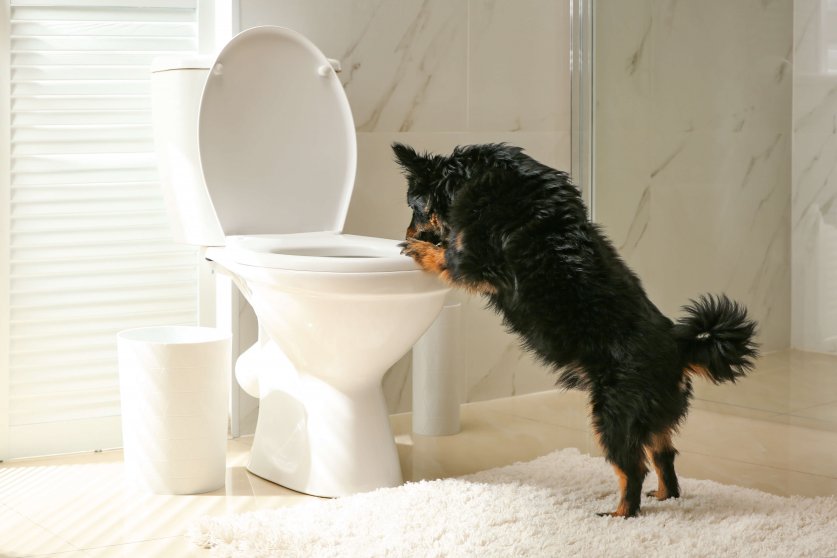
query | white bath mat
(543,508)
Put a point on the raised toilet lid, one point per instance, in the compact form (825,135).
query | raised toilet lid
(276,136)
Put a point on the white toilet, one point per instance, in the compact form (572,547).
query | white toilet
(261,176)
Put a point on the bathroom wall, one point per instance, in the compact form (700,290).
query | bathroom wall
(435,74)
(692,154)
(814,216)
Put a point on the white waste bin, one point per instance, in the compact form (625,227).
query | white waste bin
(173,388)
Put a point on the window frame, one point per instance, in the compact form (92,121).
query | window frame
(217,22)
(5,210)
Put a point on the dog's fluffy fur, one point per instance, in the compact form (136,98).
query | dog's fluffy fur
(495,221)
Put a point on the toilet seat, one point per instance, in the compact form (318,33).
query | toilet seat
(318,252)
(278,155)
(276,137)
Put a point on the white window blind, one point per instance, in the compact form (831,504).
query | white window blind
(89,247)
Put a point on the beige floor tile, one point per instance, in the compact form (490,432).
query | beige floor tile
(171,547)
(563,408)
(20,536)
(784,382)
(126,518)
(488,439)
(735,409)
(89,502)
(822,417)
(760,477)
(754,441)
(776,392)
(776,360)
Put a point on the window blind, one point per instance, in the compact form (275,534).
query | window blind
(90,249)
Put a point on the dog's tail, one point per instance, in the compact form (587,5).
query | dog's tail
(716,339)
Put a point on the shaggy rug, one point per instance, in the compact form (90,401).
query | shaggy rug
(542,508)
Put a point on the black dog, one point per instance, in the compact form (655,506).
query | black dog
(495,221)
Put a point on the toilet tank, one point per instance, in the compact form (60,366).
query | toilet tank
(176,88)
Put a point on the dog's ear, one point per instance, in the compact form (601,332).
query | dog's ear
(407,158)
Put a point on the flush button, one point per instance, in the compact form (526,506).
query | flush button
(218,69)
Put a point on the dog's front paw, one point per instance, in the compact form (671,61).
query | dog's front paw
(416,249)
(428,255)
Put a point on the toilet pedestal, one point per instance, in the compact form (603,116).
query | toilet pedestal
(324,435)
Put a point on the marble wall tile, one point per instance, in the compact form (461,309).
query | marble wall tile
(814,217)
(693,150)
(519,65)
(404,62)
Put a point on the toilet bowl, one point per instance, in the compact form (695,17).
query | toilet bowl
(257,155)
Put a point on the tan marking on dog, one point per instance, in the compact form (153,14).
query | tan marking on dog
(622,508)
(660,442)
(429,256)
(482,287)
(432,258)
(698,370)
(623,478)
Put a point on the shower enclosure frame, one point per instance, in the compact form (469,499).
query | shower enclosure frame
(583,99)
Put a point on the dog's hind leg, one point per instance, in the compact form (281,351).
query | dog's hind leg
(662,454)
(630,477)
(629,464)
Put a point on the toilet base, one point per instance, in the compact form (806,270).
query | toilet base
(325,437)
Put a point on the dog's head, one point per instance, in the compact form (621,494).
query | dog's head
(429,194)
(435,181)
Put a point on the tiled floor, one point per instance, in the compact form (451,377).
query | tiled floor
(790,387)
(775,431)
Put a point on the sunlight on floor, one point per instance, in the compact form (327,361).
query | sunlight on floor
(775,431)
